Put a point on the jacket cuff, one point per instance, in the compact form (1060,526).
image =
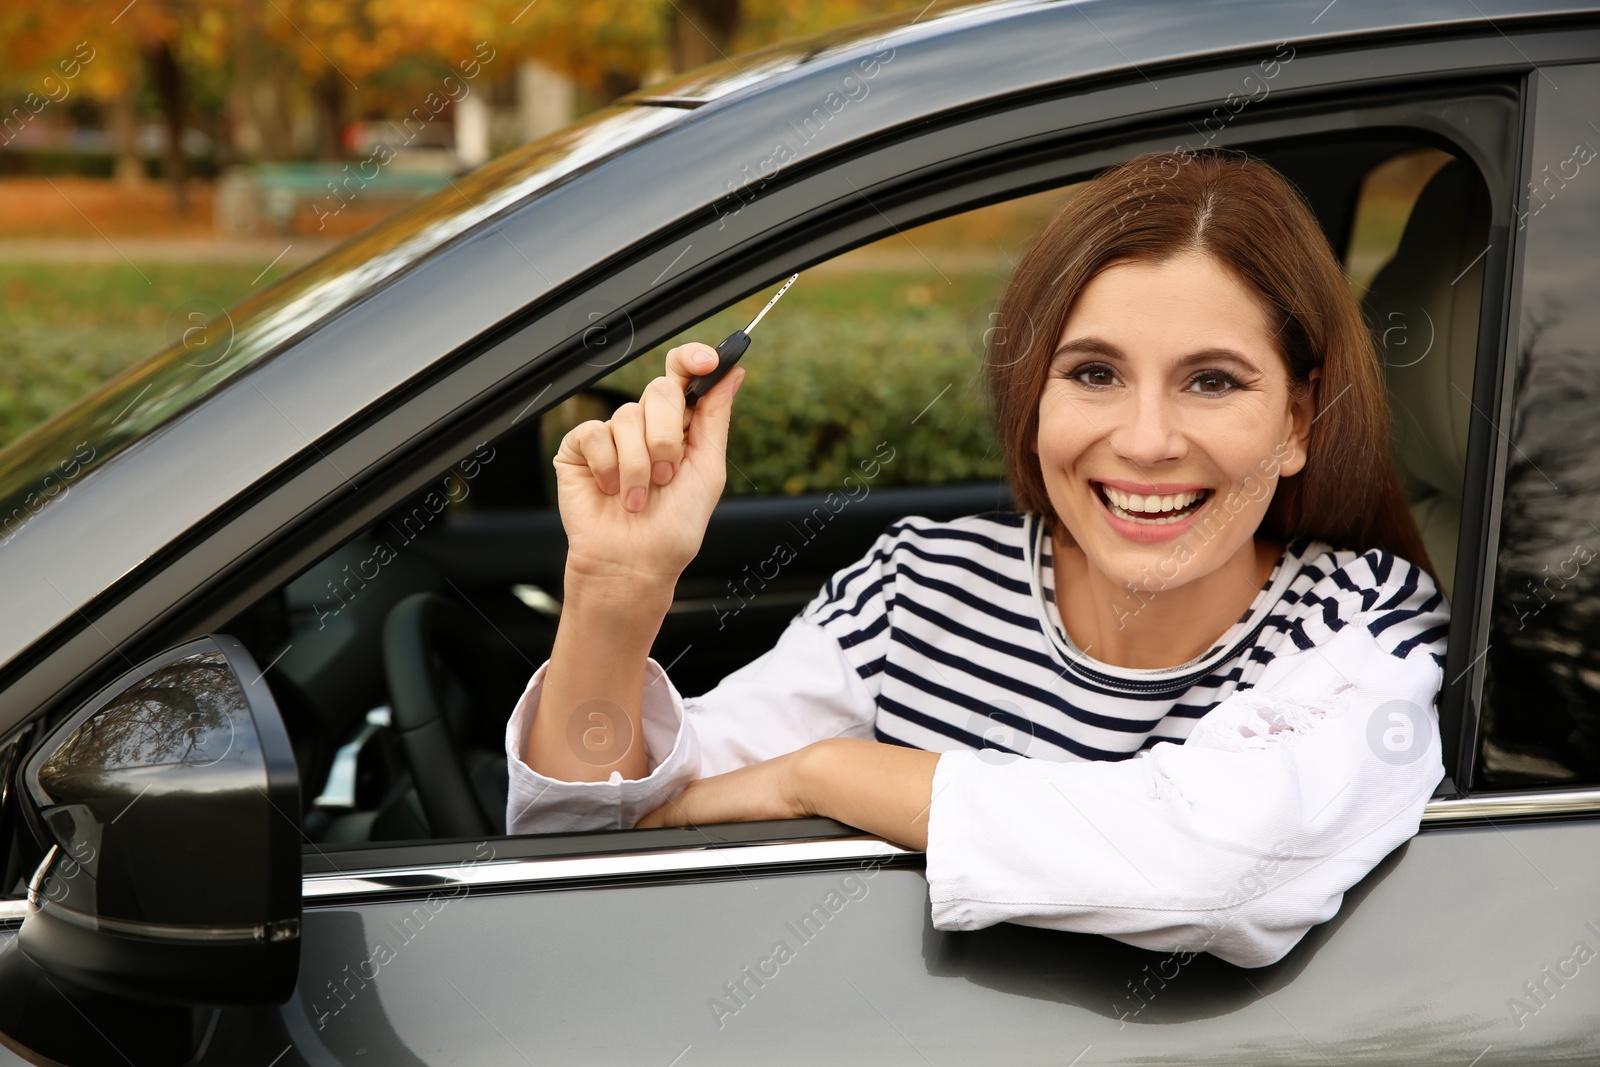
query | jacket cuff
(539,804)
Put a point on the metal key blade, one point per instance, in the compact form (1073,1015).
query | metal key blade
(774,300)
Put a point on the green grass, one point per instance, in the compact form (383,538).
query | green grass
(844,362)
(66,328)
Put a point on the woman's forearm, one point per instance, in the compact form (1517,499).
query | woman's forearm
(587,724)
(882,789)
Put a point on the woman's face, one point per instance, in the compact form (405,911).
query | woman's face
(1167,420)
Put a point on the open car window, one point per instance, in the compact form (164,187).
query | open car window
(882,343)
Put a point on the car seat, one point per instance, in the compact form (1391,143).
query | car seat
(1423,306)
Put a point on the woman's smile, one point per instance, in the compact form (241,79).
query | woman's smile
(1144,512)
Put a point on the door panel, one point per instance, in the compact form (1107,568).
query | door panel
(1422,964)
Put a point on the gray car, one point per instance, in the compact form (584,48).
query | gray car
(270,596)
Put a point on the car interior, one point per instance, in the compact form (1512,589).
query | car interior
(396,659)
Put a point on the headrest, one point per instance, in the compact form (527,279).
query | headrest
(1423,306)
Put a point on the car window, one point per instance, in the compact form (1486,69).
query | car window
(1541,707)
(882,342)
(885,340)
(883,337)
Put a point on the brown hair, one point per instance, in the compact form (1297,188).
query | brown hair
(1246,215)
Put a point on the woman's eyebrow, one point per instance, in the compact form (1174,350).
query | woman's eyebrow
(1221,355)
(1095,346)
(1089,346)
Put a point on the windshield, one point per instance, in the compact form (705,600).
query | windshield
(44,462)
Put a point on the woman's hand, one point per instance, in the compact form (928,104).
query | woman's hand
(636,491)
(765,790)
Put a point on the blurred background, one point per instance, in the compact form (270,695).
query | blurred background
(162,159)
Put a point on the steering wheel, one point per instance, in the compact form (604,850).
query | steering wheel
(447,680)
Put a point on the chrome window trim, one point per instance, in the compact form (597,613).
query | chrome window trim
(831,852)
(1510,805)
(325,889)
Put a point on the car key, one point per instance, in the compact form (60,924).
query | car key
(728,352)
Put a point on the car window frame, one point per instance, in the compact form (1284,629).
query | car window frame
(557,372)
(528,861)
(1523,800)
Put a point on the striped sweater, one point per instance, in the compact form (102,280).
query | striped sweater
(954,629)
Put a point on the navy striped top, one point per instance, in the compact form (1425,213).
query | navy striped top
(954,629)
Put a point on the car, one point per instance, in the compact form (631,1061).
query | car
(271,595)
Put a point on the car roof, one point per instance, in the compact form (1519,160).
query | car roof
(183,437)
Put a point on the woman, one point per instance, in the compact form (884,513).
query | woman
(1211,569)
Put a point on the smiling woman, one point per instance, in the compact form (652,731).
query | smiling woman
(1193,423)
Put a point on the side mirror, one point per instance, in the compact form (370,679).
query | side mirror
(170,805)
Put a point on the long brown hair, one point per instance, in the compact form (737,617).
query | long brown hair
(1247,216)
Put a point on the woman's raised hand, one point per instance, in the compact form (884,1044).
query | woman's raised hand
(637,490)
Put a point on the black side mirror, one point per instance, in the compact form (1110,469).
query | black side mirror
(171,807)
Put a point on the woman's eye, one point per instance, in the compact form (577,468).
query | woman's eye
(1212,383)
(1095,375)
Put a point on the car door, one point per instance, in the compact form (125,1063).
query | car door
(727,944)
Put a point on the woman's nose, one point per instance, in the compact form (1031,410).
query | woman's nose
(1148,430)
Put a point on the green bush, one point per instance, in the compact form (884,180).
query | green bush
(843,364)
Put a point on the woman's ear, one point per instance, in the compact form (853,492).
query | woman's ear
(1302,413)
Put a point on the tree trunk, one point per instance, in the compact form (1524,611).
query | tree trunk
(328,94)
(167,77)
(702,32)
(124,118)
(616,83)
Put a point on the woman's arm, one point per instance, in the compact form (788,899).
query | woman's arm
(1236,842)
(882,789)
(635,492)
(596,674)
(809,687)
(803,690)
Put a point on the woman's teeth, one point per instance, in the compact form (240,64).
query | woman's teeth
(1154,510)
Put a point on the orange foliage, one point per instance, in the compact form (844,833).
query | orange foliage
(366,40)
